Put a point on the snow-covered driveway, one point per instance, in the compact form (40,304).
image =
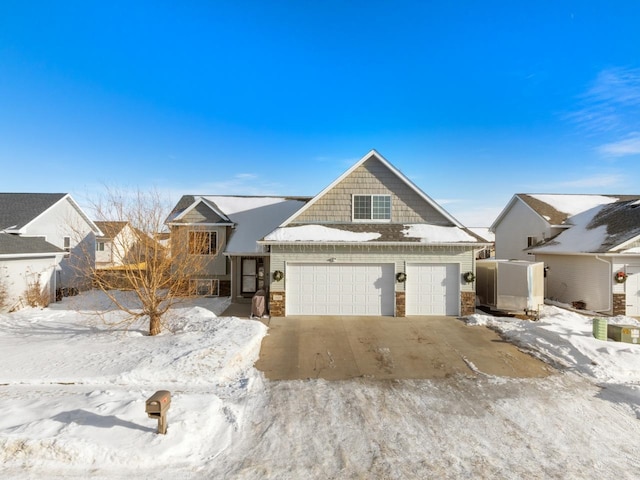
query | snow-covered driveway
(72,406)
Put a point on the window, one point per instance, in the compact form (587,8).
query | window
(372,207)
(100,246)
(203,243)
(204,287)
(531,241)
(66,243)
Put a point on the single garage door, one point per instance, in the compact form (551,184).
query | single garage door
(433,289)
(340,289)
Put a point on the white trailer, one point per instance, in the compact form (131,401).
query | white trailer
(510,285)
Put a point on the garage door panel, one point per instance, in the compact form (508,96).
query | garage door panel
(340,289)
(432,289)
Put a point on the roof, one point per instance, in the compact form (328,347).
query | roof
(19,209)
(605,228)
(110,229)
(374,233)
(14,245)
(252,217)
(558,209)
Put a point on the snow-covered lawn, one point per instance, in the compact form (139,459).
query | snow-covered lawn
(72,395)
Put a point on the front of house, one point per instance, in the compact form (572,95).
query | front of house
(371,243)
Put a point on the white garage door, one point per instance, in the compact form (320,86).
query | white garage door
(433,289)
(340,289)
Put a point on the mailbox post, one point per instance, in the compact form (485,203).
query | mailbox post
(157,406)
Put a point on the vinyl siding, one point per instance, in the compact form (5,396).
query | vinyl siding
(372,177)
(400,256)
(512,232)
(201,213)
(584,278)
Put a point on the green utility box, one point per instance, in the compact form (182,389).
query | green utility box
(624,333)
(600,328)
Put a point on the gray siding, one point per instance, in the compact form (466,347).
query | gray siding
(201,214)
(372,177)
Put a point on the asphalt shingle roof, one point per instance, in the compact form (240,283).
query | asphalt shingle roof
(18,209)
(15,245)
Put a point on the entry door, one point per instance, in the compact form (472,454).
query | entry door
(249,275)
(633,291)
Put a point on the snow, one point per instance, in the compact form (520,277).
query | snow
(254,217)
(72,395)
(574,204)
(578,238)
(437,234)
(319,233)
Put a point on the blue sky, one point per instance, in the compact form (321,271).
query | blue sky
(473,101)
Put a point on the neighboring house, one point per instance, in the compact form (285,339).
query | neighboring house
(226,230)
(117,245)
(26,262)
(46,235)
(372,243)
(487,235)
(585,242)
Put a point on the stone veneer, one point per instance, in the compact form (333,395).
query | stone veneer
(400,304)
(619,304)
(467,303)
(276,304)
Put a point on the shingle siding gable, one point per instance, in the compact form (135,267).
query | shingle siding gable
(201,213)
(371,178)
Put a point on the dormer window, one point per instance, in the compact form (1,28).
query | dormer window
(372,207)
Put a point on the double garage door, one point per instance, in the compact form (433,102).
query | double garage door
(369,289)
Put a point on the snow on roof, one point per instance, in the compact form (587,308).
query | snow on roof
(437,234)
(574,204)
(254,217)
(319,233)
(483,232)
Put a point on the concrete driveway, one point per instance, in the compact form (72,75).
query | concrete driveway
(339,348)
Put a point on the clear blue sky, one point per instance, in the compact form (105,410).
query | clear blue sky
(474,101)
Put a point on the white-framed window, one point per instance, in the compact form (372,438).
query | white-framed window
(66,243)
(204,287)
(372,207)
(203,243)
(99,246)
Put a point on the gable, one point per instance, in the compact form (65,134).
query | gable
(372,176)
(202,213)
(18,209)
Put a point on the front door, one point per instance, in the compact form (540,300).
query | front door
(249,275)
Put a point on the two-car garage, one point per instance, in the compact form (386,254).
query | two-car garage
(369,289)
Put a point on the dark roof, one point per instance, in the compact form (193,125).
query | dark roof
(110,229)
(16,245)
(622,220)
(556,217)
(18,209)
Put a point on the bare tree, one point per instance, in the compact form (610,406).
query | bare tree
(157,274)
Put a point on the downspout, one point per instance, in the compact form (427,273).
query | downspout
(610,296)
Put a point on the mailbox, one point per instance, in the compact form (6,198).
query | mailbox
(157,406)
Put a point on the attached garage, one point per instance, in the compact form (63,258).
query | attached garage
(340,289)
(433,289)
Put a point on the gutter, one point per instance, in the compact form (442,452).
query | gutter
(369,244)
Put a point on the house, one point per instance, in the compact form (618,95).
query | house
(44,238)
(117,245)
(372,243)
(224,231)
(590,246)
